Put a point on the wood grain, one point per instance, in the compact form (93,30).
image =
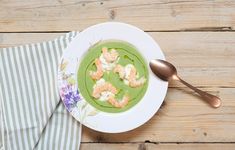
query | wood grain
(149,15)
(202,58)
(148,146)
(183,117)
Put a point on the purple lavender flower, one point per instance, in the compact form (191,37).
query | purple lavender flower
(70,96)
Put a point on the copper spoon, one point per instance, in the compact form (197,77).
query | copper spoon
(166,71)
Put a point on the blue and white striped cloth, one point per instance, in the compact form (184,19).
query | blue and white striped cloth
(32,115)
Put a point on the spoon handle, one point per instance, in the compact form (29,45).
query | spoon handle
(214,101)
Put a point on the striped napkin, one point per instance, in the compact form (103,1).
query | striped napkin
(31,113)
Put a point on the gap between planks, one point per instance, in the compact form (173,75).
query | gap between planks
(146,142)
(149,146)
(212,29)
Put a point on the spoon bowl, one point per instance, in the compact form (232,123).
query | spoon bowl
(163,69)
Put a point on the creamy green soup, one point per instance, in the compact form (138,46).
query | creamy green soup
(127,55)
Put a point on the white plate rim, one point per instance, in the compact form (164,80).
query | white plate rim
(108,122)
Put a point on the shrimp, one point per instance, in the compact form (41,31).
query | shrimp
(133,82)
(128,73)
(132,75)
(136,83)
(120,70)
(99,73)
(109,56)
(102,88)
(119,104)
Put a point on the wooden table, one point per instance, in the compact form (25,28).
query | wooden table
(197,36)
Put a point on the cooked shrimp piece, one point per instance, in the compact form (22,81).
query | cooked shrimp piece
(132,74)
(128,74)
(120,70)
(109,56)
(119,104)
(99,72)
(102,88)
(137,83)
(133,82)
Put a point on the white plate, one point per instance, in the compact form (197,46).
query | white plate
(83,111)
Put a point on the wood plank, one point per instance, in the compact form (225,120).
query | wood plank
(14,39)
(149,15)
(184,49)
(198,49)
(202,58)
(182,118)
(149,146)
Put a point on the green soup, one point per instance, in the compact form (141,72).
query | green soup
(127,55)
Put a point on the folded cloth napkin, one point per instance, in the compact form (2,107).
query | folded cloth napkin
(32,115)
